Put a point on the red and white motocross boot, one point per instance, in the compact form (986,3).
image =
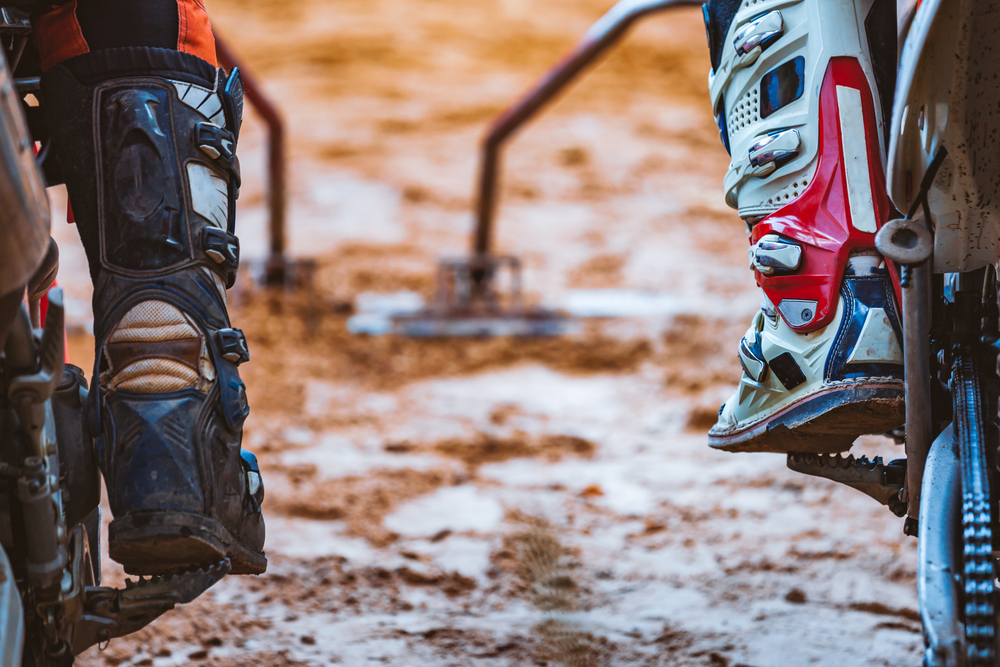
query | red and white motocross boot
(801,91)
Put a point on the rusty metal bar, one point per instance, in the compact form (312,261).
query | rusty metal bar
(604,34)
(275,268)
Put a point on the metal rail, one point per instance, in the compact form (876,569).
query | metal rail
(276,266)
(604,34)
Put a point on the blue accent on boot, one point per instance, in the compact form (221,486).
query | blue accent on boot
(861,294)
(235,407)
(155,463)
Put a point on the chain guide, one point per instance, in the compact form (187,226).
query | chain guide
(977,535)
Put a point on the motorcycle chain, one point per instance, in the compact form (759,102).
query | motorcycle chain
(977,535)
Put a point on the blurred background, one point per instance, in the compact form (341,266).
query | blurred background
(502,501)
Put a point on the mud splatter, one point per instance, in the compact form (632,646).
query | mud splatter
(602,271)
(293,337)
(700,353)
(361,502)
(485,448)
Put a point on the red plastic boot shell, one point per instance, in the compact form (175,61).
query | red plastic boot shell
(820,218)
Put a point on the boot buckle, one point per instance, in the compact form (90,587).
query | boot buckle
(219,144)
(756,35)
(772,254)
(224,249)
(216,142)
(773,150)
(233,345)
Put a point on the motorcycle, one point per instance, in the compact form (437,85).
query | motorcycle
(52,606)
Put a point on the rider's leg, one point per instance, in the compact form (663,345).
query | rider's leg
(801,91)
(145,130)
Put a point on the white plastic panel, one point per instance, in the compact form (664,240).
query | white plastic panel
(947,96)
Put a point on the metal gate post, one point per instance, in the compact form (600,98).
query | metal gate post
(276,268)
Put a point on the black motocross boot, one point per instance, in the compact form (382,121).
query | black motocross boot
(146,139)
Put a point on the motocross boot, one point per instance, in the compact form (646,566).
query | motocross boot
(802,95)
(146,139)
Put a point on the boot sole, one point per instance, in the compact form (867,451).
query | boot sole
(166,542)
(826,423)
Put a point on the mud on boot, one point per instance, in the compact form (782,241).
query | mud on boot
(146,140)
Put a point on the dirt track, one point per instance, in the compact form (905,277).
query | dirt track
(510,502)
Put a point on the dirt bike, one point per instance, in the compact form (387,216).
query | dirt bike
(52,606)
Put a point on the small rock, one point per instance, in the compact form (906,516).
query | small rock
(441,535)
(308,640)
(796,596)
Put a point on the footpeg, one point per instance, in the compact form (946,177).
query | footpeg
(876,479)
(110,613)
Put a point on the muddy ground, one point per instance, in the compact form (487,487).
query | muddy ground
(512,502)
